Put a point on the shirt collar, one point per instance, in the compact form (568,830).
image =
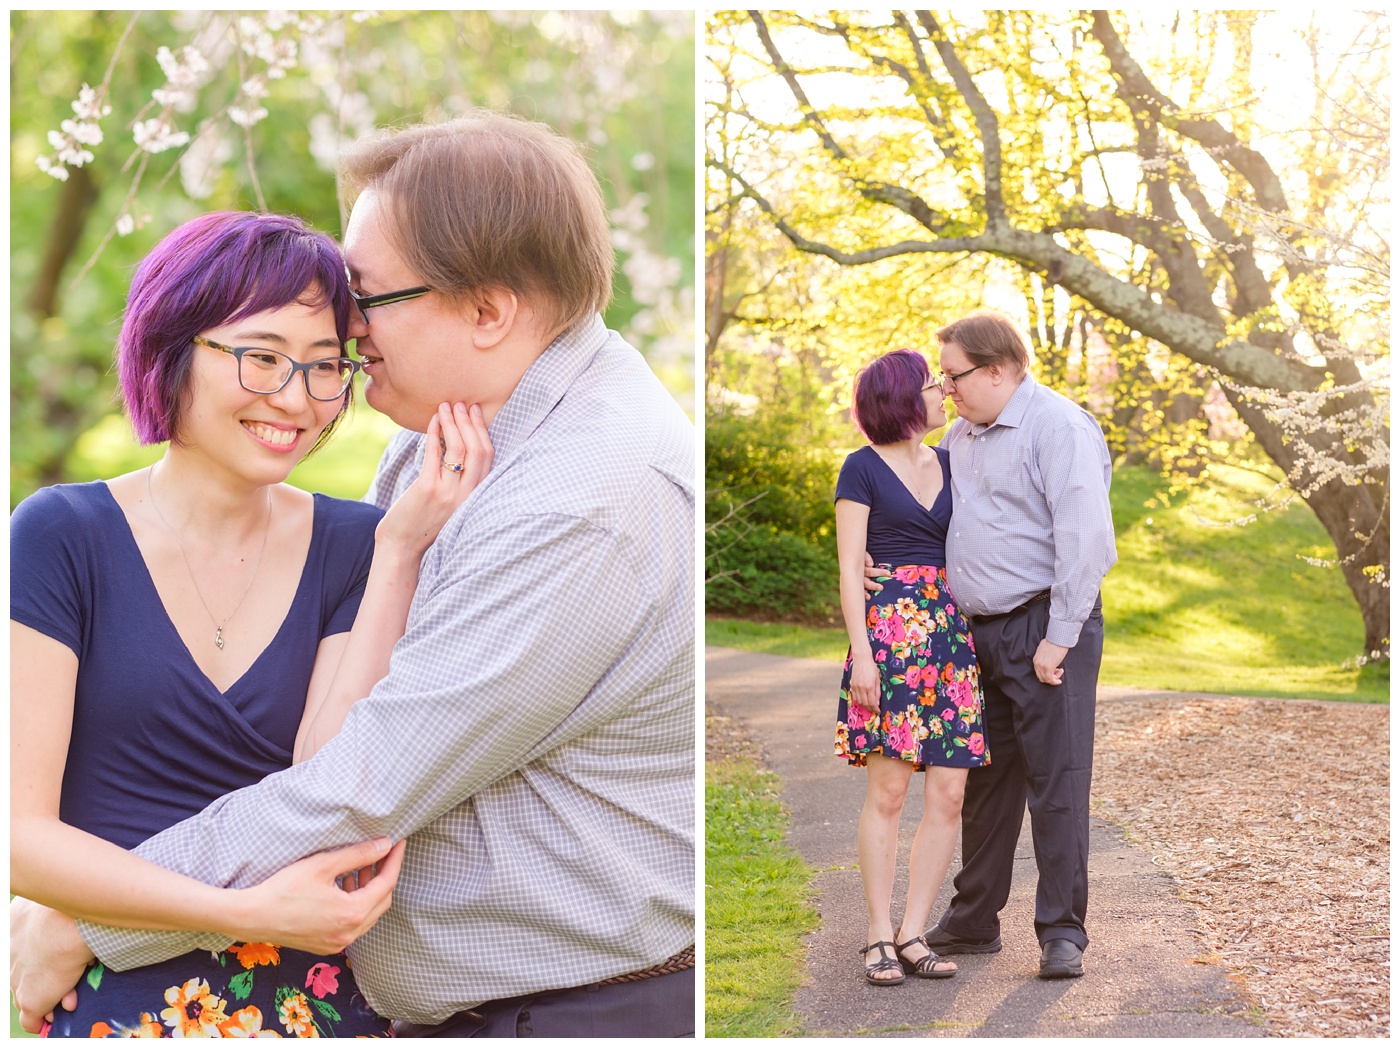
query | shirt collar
(1015,411)
(544,384)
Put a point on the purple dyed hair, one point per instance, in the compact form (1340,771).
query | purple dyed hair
(888,404)
(213,270)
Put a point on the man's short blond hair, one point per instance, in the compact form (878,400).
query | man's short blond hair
(988,337)
(489,200)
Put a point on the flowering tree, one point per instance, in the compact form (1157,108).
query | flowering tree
(1142,183)
(126,123)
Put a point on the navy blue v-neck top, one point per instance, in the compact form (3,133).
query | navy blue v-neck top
(901,530)
(153,740)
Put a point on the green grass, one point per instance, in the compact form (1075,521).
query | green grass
(757,906)
(1190,606)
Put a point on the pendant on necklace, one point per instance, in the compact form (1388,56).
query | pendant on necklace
(219,637)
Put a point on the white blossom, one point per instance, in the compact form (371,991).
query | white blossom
(68,141)
(351,117)
(86,132)
(156,135)
(280,53)
(246,117)
(186,69)
(185,73)
(90,104)
(126,225)
(631,216)
(48,167)
(200,164)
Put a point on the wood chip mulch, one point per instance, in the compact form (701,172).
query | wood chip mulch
(1273,818)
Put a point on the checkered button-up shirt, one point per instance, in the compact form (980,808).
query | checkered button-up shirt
(534,738)
(1031,510)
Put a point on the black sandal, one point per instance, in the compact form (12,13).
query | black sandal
(886,963)
(926,967)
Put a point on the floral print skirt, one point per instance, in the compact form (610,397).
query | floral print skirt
(930,699)
(249,990)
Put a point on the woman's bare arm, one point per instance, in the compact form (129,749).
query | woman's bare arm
(852,520)
(68,869)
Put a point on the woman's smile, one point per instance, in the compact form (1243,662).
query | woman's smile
(278,437)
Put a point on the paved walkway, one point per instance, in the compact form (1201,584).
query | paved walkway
(1144,974)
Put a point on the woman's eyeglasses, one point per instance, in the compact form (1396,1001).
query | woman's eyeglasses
(268,371)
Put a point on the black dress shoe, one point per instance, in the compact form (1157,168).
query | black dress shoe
(942,942)
(1061,959)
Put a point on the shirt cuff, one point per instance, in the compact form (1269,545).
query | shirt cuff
(123,948)
(1065,634)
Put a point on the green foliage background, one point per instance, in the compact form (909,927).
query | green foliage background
(622,83)
(848,215)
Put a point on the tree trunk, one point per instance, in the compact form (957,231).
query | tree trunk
(1357,521)
(80,193)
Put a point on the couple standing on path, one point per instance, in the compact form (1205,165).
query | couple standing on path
(975,657)
(433,679)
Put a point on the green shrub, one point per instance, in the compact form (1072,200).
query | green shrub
(767,573)
(770,475)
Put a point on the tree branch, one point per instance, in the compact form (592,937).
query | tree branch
(987,126)
(1143,97)
(1194,337)
(845,258)
(881,192)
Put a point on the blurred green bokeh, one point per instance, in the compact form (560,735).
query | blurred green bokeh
(622,83)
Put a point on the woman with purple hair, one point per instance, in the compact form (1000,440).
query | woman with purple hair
(186,629)
(910,698)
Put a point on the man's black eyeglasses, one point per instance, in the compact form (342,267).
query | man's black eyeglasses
(368,302)
(953,379)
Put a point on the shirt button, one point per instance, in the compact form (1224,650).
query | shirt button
(962,500)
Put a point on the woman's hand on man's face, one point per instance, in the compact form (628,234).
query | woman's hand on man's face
(457,455)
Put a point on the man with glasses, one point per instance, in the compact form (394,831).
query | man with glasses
(534,737)
(1029,545)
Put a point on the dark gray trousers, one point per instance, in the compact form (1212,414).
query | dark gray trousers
(1041,739)
(660,1007)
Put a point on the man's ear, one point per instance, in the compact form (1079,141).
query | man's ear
(493,314)
(996,373)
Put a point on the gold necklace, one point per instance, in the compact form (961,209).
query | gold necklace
(913,485)
(218,626)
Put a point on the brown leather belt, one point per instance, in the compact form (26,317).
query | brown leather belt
(677,962)
(982,620)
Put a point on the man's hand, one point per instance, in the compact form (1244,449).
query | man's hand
(871,574)
(1047,662)
(47,959)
